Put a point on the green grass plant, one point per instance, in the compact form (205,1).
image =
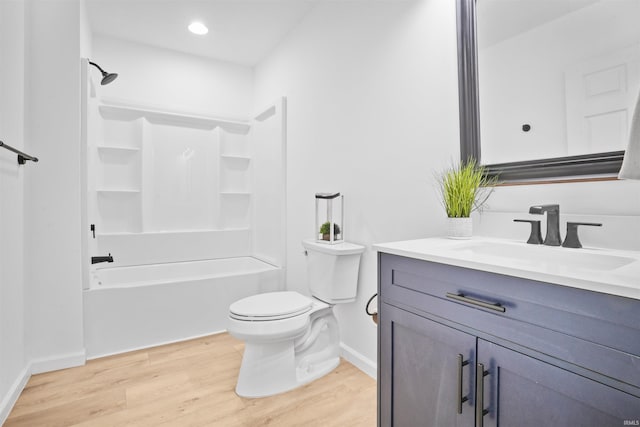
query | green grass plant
(465,187)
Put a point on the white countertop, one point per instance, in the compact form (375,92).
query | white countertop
(601,270)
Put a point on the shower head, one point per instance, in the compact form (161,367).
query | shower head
(106,77)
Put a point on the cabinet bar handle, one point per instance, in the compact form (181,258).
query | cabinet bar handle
(461,398)
(490,305)
(480,411)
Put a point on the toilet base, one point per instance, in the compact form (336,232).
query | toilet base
(277,367)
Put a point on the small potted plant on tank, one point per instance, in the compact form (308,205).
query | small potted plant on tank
(325,230)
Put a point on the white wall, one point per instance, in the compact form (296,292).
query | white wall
(372,111)
(86,36)
(52,236)
(13,359)
(165,78)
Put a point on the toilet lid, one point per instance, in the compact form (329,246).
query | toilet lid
(270,306)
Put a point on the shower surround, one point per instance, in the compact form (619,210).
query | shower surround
(190,207)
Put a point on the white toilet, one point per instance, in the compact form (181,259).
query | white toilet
(291,339)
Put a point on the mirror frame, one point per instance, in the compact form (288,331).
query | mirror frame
(468,94)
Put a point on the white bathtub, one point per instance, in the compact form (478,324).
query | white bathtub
(127,308)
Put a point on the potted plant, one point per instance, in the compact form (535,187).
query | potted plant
(464,187)
(325,230)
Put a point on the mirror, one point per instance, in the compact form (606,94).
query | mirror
(547,87)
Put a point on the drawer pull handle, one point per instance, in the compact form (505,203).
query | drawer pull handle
(480,411)
(461,398)
(491,306)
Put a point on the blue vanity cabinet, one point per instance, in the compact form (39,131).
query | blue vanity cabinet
(519,390)
(516,352)
(420,353)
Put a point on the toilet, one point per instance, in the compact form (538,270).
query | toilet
(292,339)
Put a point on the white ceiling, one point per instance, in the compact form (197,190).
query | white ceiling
(502,19)
(246,31)
(240,31)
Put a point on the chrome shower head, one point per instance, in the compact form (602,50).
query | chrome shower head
(106,77)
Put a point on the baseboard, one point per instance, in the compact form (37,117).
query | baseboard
(365,364)
(6,405)
(61,361)
(158,344)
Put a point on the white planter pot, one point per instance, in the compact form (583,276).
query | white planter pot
(460,228)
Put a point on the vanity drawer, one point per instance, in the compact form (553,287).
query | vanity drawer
(589,329)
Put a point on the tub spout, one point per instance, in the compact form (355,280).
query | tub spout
(97,259)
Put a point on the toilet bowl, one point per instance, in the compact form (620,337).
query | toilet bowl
(286,349)
(291,339)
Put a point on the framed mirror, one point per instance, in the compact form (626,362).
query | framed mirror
(547,87)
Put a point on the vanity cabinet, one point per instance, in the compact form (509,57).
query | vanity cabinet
(418,354)
(462,347)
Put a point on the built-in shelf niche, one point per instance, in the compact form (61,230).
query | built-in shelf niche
(235,157)
(234,145)
(135,142)
(235,210)
(121,134)
(234,174)
(116,190)
(114,151)
(235,180)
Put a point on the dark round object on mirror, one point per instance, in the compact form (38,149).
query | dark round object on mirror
(526,127)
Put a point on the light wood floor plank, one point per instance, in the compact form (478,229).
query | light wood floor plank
(187,384)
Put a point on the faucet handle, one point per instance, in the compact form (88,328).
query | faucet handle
(572,241)
(535,238)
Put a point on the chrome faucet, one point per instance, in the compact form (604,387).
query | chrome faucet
(553,223)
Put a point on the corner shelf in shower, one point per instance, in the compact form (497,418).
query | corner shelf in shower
(117,149)
(125,113)
(117,191)
(234,157)
(235,193)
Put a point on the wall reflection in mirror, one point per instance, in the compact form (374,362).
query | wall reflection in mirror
(556,77)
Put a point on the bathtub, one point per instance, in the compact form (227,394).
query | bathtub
(133,307)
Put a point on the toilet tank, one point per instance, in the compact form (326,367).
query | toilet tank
(332,270)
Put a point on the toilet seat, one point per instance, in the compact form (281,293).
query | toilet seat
(270,306)
(287,319)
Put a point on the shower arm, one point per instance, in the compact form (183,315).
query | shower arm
(98,67)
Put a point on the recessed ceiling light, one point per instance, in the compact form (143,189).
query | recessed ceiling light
(198,28)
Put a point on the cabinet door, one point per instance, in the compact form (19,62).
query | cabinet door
(419,372)
(522,391)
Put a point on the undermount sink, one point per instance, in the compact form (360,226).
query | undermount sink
(543,256)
